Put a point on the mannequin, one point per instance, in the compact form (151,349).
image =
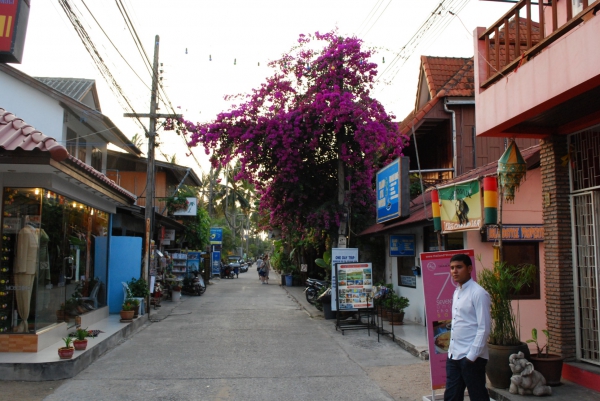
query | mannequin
(25,270)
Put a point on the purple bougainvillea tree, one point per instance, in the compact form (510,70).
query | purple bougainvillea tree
(310,130)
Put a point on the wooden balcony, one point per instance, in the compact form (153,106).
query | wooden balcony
(517,36)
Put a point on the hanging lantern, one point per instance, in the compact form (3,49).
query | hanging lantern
(511,171)
(490,200)
(435,211)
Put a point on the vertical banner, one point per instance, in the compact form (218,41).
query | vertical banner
(215,263)
(193,261)
(460,206)
(340,255)
(438,287)
(355,285)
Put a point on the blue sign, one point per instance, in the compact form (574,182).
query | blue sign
(402,245)
(215,263)
(193,261)
(216,236)
(388,192)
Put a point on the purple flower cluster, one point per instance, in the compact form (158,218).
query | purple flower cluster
(289,134)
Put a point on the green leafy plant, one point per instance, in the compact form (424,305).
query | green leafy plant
(502,282)
(81,334)
(68,341)
(534,339)
(319,300)
(128,305)
(138,288)
(399,303)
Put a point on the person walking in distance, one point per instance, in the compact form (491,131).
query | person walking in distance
(259,265)
(471,321)
(266,268)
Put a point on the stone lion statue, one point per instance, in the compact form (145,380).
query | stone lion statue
(526,380)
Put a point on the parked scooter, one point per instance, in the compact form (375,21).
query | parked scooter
(227,272)
(193,286)
(313,286)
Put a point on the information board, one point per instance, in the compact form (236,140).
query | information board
(340,255)
(215,263)
(402,245)
(355,285)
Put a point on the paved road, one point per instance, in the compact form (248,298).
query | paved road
(240,341)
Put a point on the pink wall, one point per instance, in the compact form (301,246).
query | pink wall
(565,69)
(527,209)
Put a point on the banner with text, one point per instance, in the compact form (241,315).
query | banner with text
(438,288)
(460,206)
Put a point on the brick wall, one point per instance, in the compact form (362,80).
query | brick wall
(560,309)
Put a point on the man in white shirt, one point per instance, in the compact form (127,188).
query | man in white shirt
(468,351)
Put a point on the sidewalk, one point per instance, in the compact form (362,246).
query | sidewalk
(413,338)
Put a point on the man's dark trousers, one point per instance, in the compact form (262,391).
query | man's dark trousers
(461,374)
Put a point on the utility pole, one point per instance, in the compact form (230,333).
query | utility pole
(150,181)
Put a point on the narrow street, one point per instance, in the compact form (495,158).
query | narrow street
(245,341)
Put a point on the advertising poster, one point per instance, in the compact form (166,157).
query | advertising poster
(215,263)
(340,255)
(460,206)
(438,287)
(355,285)
(193,261)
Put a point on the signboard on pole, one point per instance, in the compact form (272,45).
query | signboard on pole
(392,190)
(215,263)
(340,255)
(216,236)
(438,287)
(355,285)
(14,15)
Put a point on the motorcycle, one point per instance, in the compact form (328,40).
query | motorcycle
(313,286)
(193,286)
(227,272)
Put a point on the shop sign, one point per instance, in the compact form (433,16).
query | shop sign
(460,206)
(392,190)
(355,285)
(438,287)
(409,281)
(191,210)
(216,236)
(14,15)
(402,245)
(340,255)
(530,233)
(169,235)
(215,262)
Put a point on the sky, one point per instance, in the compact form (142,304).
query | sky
(213,48)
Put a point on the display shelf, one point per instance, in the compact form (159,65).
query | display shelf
(179,264)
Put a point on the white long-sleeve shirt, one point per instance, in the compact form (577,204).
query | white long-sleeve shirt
(471,322)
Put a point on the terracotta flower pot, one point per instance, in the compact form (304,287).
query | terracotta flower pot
(66,353)
(550,367)
(127,314)
(80,345)
(396,318)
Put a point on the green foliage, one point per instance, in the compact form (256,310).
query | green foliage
(399,303)
(502,282)
(138,288)
(128,305)
(534,339)
(81,334)
(68,341)
(325,261)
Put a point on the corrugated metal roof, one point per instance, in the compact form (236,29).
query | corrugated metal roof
(419,212)
(17,134)
(75,88)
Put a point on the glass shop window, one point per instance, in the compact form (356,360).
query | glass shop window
(406,276)
(518,253)
(452,241)
(53,263)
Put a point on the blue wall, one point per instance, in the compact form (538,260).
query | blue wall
(125,262)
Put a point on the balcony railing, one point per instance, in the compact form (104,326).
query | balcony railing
(514,38)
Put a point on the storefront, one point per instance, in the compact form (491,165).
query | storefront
(54,248)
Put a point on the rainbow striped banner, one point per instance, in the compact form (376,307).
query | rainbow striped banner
(435,210)
(490,200)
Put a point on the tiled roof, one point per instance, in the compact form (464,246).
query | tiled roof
(420,207)
(446,76)
(75,88)
(16,133)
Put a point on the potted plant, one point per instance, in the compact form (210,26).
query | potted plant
(549,365)
(67,351)
(127,310)
(398,304)
(502,282)
(176,292)
(80,341)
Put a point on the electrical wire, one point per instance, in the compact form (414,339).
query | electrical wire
(368,17)
(369,30)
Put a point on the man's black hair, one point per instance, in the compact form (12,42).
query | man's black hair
(461,257)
